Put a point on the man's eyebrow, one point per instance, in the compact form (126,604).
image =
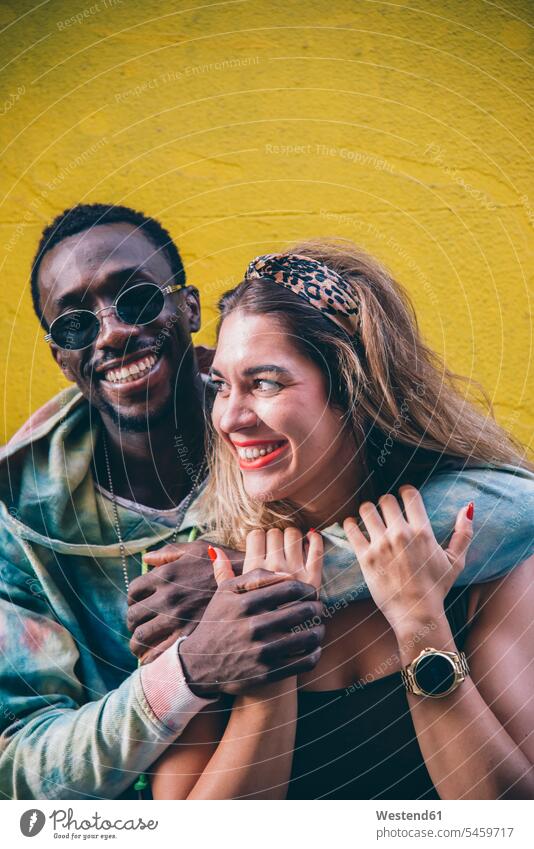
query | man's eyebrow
(122,276)
(66,300)
(254,370)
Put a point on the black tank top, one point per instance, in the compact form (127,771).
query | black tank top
(360,742)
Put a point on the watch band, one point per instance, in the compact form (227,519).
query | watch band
(458,661)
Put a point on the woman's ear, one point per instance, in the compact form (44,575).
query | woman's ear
(192,307)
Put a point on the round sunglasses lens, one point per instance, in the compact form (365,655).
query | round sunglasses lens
(75,330)
(140,304)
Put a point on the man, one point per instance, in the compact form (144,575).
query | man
(106,470)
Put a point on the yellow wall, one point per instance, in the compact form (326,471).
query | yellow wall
(247,123)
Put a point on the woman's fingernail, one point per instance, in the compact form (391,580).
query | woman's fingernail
(212,554)
(470,512)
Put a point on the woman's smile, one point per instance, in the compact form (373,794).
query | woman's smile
(257,453)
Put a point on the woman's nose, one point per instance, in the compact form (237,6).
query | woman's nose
(237,414)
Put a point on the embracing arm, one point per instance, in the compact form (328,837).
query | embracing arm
(252,756)
(55,744)
(249,758)
(478,742)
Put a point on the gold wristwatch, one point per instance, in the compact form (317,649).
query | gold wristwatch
(435,673)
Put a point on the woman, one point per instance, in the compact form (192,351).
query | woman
(318,359)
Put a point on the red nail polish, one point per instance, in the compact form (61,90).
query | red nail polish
(470,511)
(212,554)
(311,531)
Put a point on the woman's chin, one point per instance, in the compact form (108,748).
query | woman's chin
(262,491)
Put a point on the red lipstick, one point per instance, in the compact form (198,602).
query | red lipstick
(260,462)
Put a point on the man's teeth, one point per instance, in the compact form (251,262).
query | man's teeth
(254,453)
(132,371)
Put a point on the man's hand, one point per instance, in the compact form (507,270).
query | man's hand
(169,600)
(257,628)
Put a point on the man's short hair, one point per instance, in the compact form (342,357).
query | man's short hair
(83,217)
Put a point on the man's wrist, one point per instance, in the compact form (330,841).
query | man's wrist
(167,692)
(204,690)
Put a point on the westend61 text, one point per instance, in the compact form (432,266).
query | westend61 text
(408,815)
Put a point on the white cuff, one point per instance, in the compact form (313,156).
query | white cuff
(167,691)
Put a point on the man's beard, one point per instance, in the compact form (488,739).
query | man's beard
(136,424)
(128,423)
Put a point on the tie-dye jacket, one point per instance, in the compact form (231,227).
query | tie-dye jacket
(74,719)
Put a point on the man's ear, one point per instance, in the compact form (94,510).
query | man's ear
(191,297)
(62,359)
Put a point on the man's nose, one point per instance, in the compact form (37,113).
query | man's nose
(113,332)
(237,414)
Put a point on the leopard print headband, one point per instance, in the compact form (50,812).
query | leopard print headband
(316,283)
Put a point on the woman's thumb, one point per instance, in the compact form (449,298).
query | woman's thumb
(314,559)
(462,534)
(222,568)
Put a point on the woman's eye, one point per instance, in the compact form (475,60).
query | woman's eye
(217,386)
(264,385)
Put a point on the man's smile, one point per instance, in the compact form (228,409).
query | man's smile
(131,373)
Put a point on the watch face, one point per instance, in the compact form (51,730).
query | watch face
(434,674)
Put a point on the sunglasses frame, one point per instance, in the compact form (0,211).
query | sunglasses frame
(166,290)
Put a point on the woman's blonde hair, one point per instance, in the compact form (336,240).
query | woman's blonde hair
(403,406)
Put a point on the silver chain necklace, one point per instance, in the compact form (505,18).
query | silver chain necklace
(185,506)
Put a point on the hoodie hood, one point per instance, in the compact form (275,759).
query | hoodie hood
(47,490)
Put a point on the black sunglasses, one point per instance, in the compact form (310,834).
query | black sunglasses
(140,304)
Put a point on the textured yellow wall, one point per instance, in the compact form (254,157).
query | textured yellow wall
(248,123)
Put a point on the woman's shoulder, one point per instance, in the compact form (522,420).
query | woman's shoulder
(503,497)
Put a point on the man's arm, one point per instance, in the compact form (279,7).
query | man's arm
(58,744)
(55,743)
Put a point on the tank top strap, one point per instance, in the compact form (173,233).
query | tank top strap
(456,609)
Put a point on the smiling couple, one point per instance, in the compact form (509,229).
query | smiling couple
(354,620)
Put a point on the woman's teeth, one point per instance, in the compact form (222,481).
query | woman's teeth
(132,371)
(254,453)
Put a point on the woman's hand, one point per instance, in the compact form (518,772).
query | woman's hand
(408,573)
(277,551)
(287,557)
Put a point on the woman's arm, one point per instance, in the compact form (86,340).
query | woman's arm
(247,752)
(477,741)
